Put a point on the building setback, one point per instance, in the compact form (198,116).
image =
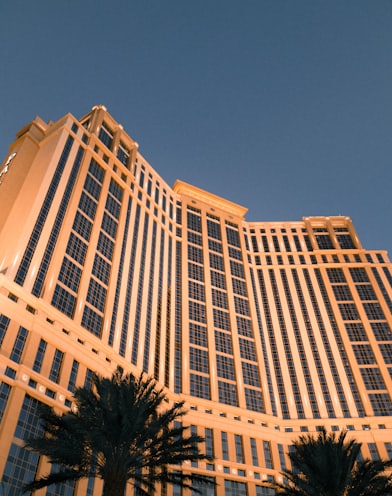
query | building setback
(266,329)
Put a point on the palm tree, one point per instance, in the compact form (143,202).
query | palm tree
(328,465)
(120,433)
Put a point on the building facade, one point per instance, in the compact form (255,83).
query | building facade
(266,329)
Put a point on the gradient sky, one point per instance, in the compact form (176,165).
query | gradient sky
(283,106)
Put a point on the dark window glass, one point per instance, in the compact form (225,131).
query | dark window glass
(64,301)
(76,249)
(70,275)
(20,341)
(82,225)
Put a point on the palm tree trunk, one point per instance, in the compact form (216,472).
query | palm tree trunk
(114,486)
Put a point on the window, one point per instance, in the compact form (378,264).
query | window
(219,298)
(194,222)
(64,301)
(123,153)
(54,374)
(213,230)
(225,367)
(96,295)
(73,375)
(356,332)
(208,436)
(109,225)
(20,341)
(39,357)
(373,311)
(227,393)
(247,349)
(382,331)
(225,446)
(336,275)
(197,311)
(198,360)
(349,311)
(324,242)
(364,354)
(198,334)
(223,342)
(105,246)
(253,447)
(359,274)
(250,373)
(87,205)
(221,319)
(381,403)
(76,249)
(101,269)
(218,279)
(200,386)
(92,321)
(386,350)
(233,237)
(233,488)
(82,225)
(342,293)
(267,454)
(70,275)
(372,378)
(241,306)
(106,135)
(254,400)
(239,449)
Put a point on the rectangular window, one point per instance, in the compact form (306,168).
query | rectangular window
(213,230)
(233,488)
(239,449)
(96,295)
(105,246)
(250,373)
(20,341)
(76,249)
(253,447)
(225,367)
(194,222)
(198,360)
(82,225)
(227,393)
(359,274)
(87,205)
(64,301)
(123,153)
(55,370)
(73,375)
(106,135)
(101,269)
(209,440)
(372,379)
(267,454)
(109,225)
(200,386)
(225,446)
(39,357)
(70,275)
(223,342)
(92,321)
(198,334)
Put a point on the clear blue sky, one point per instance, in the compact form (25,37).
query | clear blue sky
(283,106)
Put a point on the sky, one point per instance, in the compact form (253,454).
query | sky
(282,106)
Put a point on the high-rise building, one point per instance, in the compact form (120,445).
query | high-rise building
(266,329)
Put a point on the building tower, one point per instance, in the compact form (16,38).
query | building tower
(266,329)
